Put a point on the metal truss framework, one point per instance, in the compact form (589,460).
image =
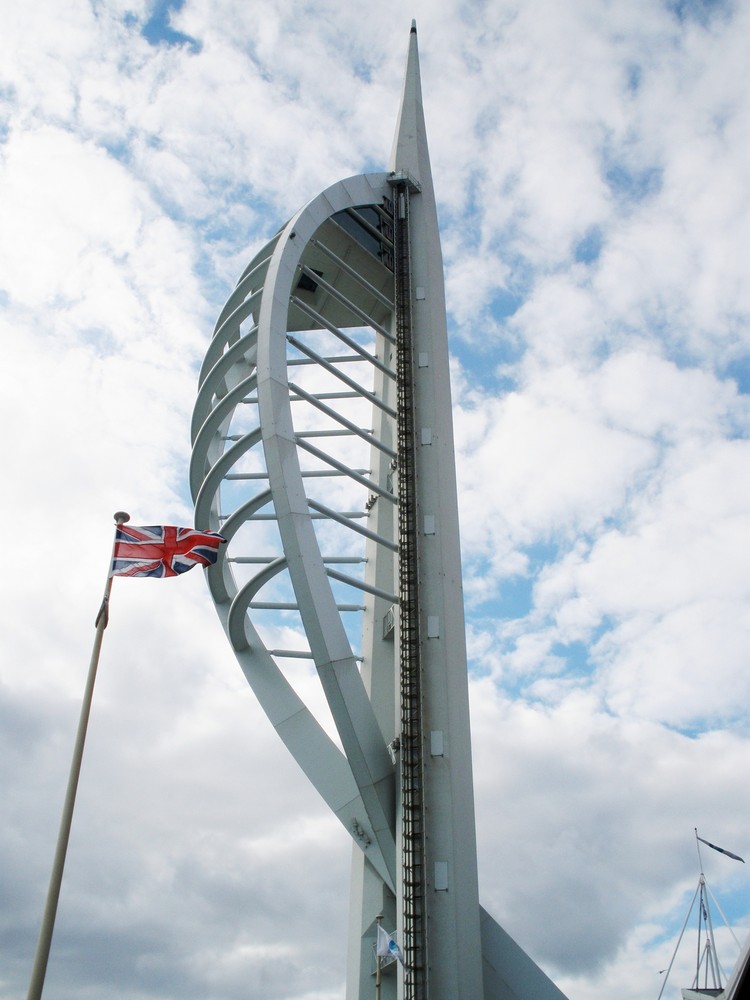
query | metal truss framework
(323,452)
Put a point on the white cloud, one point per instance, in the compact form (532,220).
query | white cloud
(590,164)
(586,824)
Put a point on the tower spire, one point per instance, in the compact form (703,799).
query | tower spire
(409,153)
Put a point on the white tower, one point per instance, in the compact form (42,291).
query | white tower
(323,451)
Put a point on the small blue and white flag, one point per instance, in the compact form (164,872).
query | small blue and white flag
(721,850)
(387,948)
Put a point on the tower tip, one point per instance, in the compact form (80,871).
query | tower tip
(409,152)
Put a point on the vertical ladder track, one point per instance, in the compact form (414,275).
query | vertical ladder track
(412,763)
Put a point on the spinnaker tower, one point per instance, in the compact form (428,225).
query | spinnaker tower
(323,451)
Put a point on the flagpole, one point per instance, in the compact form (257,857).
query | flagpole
(379,920)
(698,849)
(39,968)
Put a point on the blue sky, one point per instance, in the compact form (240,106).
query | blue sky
(158,30)
(590,167)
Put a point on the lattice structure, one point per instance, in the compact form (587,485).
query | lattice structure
(282,465)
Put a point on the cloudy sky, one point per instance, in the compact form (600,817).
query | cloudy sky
(591,165)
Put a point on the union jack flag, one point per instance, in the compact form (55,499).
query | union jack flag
(161,550)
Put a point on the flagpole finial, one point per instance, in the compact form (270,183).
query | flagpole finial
(121,517)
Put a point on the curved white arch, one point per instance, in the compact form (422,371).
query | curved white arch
(249,358)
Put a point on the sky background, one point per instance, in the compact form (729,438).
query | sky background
(591,163)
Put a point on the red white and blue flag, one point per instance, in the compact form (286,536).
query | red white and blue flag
(161,550)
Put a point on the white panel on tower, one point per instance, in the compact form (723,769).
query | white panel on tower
(441,876)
